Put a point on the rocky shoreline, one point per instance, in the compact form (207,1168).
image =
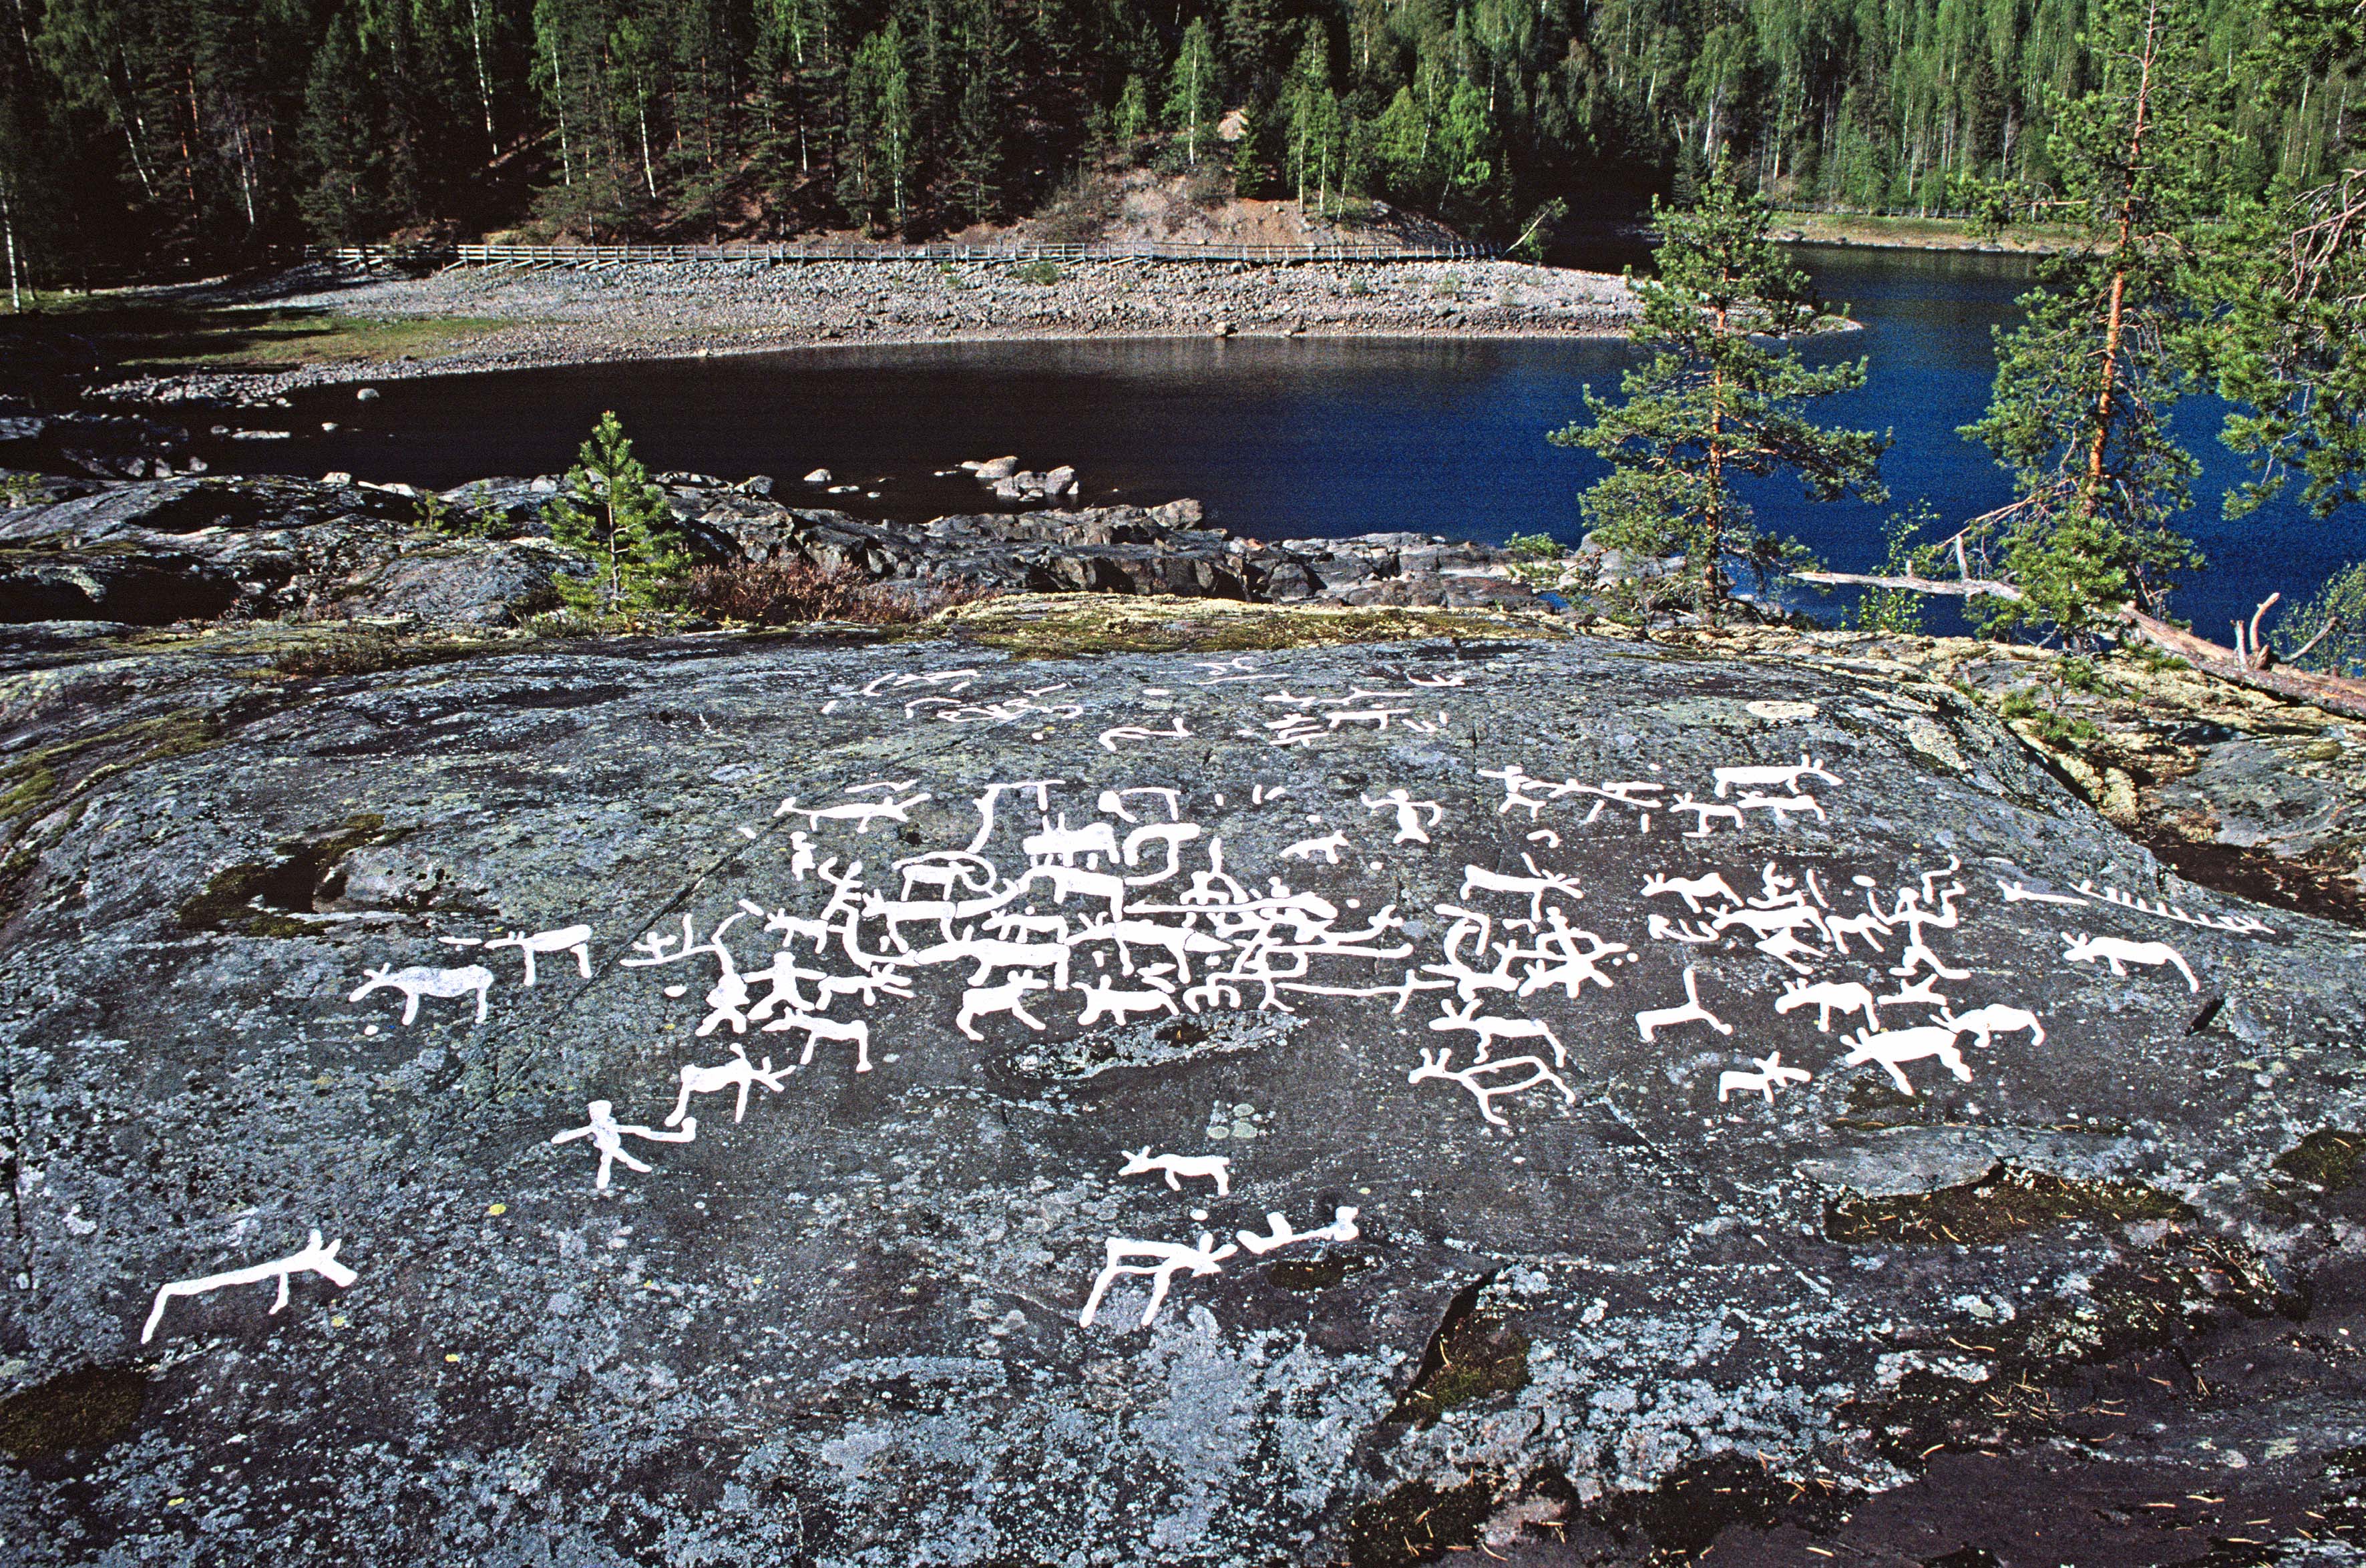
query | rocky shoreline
(565,316)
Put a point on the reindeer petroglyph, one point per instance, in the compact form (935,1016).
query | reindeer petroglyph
(576,939)
(1279,1235)
(855,1032)
(1490,1029)
(1779,808)
(1165,1260)
(1109,737)
(1828,997)
(1893,1047)
(608,1134)
(1107,1001)
(1649,1023)
(737,1073)
(1328,846)
(862,813)
(1175,1167)
(1691,889)
(1010,997)
(2119,952)
(1752,777)
(312,1258)
(1985,1023)
(1063,844)
(1535,885)
(1702,812)
(1770,1075)
(1408,814)
(1487,1093)
(418,981)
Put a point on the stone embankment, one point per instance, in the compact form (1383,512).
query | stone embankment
(565,316)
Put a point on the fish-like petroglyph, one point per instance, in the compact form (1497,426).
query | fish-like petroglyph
(1279,1235)
(2018,893)
(418,981)
(608,1135)
(1649,1023)
(1487,1093)
(737,1073)
(1828,997)
(1770,1075)
(1161,1261)
(2119,952)
(312,1258)
(1217,1168)
(1753,777)
(1408,814)
(1893,1047)
(2240,925)
(576,939)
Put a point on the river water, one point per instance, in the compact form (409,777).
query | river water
(1283,438)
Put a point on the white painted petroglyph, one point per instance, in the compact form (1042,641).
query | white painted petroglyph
(1535,885)
(1752,777)
(608,1135)
(2119,954)
(1113,801)
(1094,840)
(1010,997)
(1166,1259)
(737,1073)
(312,1258)
(1109,737)
(1828,997)
(1920,992)
(1649,1023)
(1777,933)
(1120,1006)
(1770,1075)
(1217,1168)
(1408,814)
(576,939)
(855,1032)
(1893,1047)
(959,680)
(2240,925)
(993,793)
(1328,846)
(1486,1094)
(2020,893)
(863,814)
(1691,889)
(1985,1023)
(1279,1235)
(1781,808)
(418,981)
(1702,812)
(1546,837)
(1490,1029)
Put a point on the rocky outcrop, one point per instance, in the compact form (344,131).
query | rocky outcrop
(1201,1235)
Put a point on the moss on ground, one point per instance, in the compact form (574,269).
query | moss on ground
(85,1409)
(1055,625)
(2003,1204)
(42,779)
(2327,1158)
(268,898)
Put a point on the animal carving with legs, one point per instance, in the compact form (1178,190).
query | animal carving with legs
(1828,997)
(1490,1029)
(1984,1025)
(415,983)
(1214,1167)
(2117,952)
(1487,1092)
(1770,1075)
(737,1073)
(1892,1047)
(1649,1023)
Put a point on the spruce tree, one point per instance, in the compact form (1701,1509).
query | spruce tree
(1721,400)
(612,514)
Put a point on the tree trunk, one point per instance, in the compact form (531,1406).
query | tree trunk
(2114,325)
(8,230)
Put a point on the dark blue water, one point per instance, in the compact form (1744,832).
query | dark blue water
(1283,438)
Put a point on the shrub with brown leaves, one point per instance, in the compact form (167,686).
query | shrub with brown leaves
(780,593)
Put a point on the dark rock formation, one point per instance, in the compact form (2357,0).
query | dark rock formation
(2093,1297)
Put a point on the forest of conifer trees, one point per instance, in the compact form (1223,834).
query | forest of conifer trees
(136,132)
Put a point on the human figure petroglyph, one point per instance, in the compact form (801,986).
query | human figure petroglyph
(1649,1023)
(1691,889)
(417,981)
(1109,737)
(987,798)
(1893,1047)
(1556,959)
(1535,885)
(2119,952)
(1751,777)
(1516,782)
(1408,814)
(608,1135)
(1120,1006)
(737,1073)
(1985,1023)
(1175,1167)
(1490,1029)
(1828,997)
(1167,1260)
(576,939)
(1486,1094)
(1770,1075)
(862,813)
(1328,846)
(1010,997)
(312,1258)
(1279,1235)
(1702,812)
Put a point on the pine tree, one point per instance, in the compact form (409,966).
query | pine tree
(2083,388)
(612,514)
(1193,105)
(1721,400)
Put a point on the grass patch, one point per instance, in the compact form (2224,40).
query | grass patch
(41,778)
(2327,1158)
(1997,1207)
(1913,234)
(132,334)
(1069,625)
(363,651)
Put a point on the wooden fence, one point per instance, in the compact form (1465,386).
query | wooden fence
(371,258)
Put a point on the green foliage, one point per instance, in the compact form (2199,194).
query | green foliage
(2083,388)
(1129,120)
(1723,399)
(2342,599)
(611,514)
(1899,610)
(1192,105)
(433,514)
(1530,245)
(1041,273)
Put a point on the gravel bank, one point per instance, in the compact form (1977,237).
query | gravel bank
(632,312)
